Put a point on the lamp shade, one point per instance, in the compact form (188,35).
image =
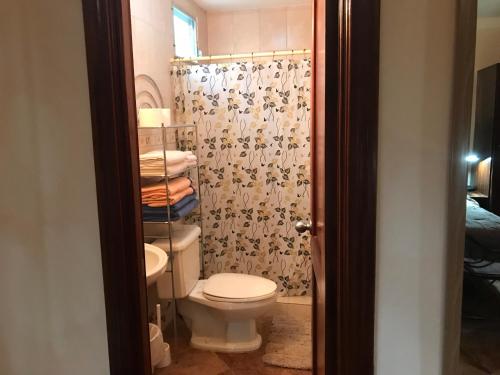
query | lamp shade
(154,117)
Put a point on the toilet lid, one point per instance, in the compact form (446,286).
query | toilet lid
(236,287)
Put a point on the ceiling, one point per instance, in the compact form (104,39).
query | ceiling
(229,5)
(488,8)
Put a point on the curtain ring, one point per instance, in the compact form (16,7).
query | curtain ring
(274,55)
(252,59)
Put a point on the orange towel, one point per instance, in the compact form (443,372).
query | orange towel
(174,186)
(160,200)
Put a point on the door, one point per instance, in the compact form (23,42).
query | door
(316,226)
(318,239)
(344,179)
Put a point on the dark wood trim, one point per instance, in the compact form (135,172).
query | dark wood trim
(352,59)
(114,130)
(463,81)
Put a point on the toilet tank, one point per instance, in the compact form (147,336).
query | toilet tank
(186,262)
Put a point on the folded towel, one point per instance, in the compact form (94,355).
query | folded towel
(181,210)
(183,202)
(172,170)
(155,157)
(174,186)
(173,208)
(156,199)
(178,168)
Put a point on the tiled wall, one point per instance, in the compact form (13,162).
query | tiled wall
(218,33)
(259,30)
(152,37)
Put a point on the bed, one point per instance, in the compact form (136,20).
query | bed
(482,242)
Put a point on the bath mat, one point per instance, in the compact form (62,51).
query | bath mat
(290,342)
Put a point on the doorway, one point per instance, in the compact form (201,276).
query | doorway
(472,335)
(344,273)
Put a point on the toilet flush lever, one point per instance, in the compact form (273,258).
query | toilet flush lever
(303,225)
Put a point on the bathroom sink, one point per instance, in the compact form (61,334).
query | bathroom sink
(156,263)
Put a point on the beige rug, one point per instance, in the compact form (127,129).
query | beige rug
(290,342)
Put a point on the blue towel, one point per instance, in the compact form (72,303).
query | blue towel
(173,208)
(177,211)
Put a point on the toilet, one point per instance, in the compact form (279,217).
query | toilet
(220,311)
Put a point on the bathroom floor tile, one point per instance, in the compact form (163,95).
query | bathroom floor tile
(189,361)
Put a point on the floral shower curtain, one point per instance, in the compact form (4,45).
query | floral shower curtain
(253,122)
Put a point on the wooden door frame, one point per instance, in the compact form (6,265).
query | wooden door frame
(463,82)
(352,60)
(108,41)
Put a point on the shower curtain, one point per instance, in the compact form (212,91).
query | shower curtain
(253,122)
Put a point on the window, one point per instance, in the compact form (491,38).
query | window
(184,34)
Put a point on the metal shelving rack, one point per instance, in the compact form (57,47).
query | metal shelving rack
(169,223)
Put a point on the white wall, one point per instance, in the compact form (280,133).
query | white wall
(261,30)
(52,317)
(487,42)
(416,66)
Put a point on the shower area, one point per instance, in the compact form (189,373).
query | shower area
(253,121)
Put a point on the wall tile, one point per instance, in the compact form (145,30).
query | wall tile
(220,33)
(161,16)
(299,27)
(260,30)
(152,36)
(141,33)
(272,30)
(246,31)
(141,9)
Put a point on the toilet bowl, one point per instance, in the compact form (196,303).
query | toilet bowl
(222,310)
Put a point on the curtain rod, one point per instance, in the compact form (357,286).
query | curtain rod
(242,55)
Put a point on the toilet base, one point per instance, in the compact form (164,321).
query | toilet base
(219,345)
(222,326)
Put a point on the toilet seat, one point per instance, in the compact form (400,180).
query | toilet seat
(236,287)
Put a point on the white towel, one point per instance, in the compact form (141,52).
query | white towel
(171,169)
(172,157)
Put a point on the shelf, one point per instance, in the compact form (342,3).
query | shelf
(183,138)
